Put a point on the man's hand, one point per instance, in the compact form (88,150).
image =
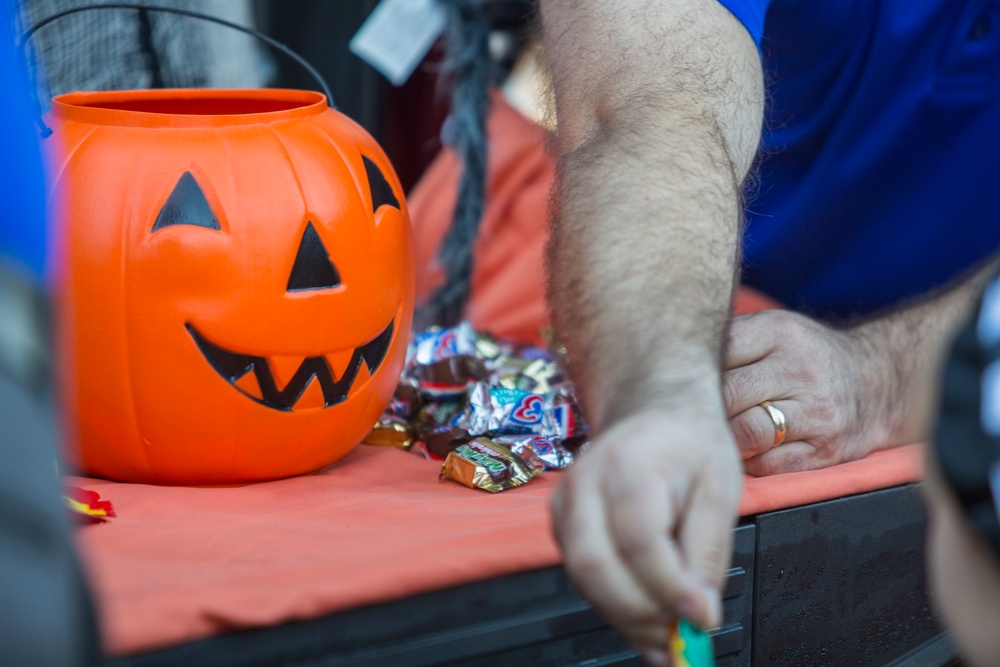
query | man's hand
(844,392)
(828,383)
(645,519)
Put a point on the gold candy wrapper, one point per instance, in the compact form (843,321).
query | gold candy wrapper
(484,464)
(390,433)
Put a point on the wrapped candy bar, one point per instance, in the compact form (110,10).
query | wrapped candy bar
(503,411)
(391,431)
(448,379)
(442,363)
(689,646)
(432,415)
(483,464)
(490,350)
(403,405)
(437,443)
(437,344)
(537,450)
(86,506)
(435,430)
(534,375)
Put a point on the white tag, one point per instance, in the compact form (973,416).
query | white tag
(397,35)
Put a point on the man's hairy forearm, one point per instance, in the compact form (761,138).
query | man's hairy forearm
(641,270)
(904,351)
(656,134)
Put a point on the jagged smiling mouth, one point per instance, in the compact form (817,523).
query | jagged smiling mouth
(233,365)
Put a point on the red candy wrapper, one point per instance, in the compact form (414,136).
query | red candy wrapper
(86,506)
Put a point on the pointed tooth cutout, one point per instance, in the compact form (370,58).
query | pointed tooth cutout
(313,268)
(283,368)
(248,385)
(186,205)
(312,398)
(340,361)
(380,189)
(374,352)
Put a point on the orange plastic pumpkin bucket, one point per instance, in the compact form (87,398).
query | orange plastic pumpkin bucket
(233,281)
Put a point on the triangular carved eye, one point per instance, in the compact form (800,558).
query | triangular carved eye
(381,190)
(313,268)
(186,205)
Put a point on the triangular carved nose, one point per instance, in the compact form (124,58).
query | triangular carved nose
(186,205)
(313,268)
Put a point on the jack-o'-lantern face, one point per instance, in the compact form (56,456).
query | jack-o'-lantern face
(236,306)
(312,270)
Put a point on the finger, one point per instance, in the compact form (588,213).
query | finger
(641,518)
(743,388)
(650,637)
(655,657)
(755,430)
(557,508)
(596,567)
(751,338)
(707,541)
(787,457)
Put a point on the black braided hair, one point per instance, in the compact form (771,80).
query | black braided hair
(469,70)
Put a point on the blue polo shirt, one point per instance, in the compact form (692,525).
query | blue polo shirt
(881,149)
(22,192)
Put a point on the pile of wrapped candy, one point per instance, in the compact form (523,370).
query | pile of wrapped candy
(496,413)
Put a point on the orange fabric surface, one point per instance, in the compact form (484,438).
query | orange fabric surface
(508,277)
(878,471)
(180,564)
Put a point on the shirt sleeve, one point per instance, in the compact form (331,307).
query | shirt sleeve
(22,192)
(750,13)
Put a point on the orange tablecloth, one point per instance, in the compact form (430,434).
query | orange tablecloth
(180,564)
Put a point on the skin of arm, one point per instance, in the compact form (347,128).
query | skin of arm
(963,573)
(845,392)
(660,107)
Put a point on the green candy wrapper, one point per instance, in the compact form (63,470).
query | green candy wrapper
(690,647)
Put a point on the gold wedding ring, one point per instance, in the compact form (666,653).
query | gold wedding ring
(780,425)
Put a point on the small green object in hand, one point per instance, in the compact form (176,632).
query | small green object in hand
(690,647)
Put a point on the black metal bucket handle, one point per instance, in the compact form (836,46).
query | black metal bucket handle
(22,44)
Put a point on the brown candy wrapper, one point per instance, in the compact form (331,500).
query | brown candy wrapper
(441,441)
(448,379)
(483,464)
